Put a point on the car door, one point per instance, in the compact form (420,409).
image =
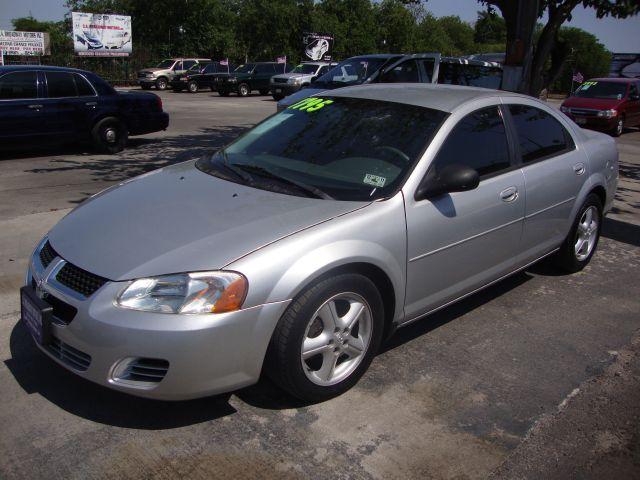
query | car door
(458,242)
(633,107)
(554,172)
(70,103)
(424,64)
(21,109)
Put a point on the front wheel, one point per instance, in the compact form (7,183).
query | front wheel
(161,83)
(223,93)
(109,135)
(327,338)
(243,90)
(617,131)
(579,246)
(264,91)
(193,87)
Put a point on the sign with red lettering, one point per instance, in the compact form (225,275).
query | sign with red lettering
(98,35)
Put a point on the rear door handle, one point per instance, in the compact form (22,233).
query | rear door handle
(509,194)
(578,168)
(35,107)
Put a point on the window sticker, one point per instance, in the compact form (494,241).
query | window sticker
(587,85)
(374,180)
(311,104)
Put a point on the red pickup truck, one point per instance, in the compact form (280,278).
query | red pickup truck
(607,104)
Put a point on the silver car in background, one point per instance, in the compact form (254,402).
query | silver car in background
(301,76)
(298,248)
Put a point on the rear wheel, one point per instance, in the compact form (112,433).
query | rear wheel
(579,246)
(327,338)
(243,90)
(161,83)
(223,93)
(109,135)
(193,87)
(146,86)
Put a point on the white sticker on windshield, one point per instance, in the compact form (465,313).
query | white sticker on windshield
(374,180)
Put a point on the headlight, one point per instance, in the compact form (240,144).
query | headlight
(607,113)
(201,292)
(295,81)
(565,109)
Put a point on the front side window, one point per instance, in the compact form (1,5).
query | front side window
(60,84)
(84,89)
(344,148)
(406,72)
(187,64)
(478,141)
(19,85)
(539,134)
(305,68)
(248,68)
(165,64)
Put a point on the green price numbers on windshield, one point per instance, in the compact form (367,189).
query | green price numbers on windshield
(310,104)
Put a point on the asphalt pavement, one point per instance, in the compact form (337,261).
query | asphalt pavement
(537,376)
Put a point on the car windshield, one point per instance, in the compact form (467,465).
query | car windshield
(166,64)
(350,72)
(597,89)
(305,68)
(330,147)
(245,68)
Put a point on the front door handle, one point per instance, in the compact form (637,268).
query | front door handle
(509,194)
(91,104)
(579,168)
(35,107)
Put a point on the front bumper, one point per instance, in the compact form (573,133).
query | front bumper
(206,354)
(284,89)
(146,81)
(593,122)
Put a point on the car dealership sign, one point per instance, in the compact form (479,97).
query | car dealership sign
(317,46)
(23,43)
(98,35)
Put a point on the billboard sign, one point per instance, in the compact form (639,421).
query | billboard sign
(98,35)
(317,46)
(625,65)
(23,43)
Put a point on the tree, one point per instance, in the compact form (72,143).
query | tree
(460,33)
(585,55)
(396,27)
(528,64)
(352,22)
(490,28)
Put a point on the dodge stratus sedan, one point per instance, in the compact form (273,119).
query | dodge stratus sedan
(298,248)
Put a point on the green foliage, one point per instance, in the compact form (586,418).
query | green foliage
(460,34)
(490,28)
(396,27)
(61,45)
(588,56)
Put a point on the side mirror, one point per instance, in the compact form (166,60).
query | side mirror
(452,178)
(314,78)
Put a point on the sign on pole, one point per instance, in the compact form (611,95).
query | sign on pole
(317,46)
(98,35)
(23,43)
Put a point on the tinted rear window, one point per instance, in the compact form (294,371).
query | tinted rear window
(60,84)
(539,134)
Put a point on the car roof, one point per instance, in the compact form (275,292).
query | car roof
(378,55)
(439,97)
(13,68)
(613,79)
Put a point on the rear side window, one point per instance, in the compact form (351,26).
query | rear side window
(60,84)
(17,85)
(84,89)
(478,141)
(481,76)
(406,72)
(539,134)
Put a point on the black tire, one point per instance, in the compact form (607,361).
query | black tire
(566,258)
(223,93)
(109,135)
(284,362)
(264,91)
(146,86)
(277,97)
(213,89)
(162,83)
(192,87)
(243,90)
(617,131)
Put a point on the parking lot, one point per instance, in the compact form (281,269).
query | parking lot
(537,376)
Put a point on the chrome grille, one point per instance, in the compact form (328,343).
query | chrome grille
(47,254)
(72,357)
(79,280)
(280,80)
(584,112)
(150,370)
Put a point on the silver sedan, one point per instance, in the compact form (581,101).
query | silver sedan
(301,246)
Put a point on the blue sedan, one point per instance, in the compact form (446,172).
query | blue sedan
(42,104)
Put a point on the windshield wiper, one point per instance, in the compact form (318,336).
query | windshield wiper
(264,172)
(242,175)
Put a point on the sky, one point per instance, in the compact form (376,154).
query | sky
(619,36)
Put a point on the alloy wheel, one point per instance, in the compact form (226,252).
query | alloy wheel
(586,233)
(336,339)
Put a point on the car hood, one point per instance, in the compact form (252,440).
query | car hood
(596,103)
(152,70)
(293,75)
(296,97)
(179,219)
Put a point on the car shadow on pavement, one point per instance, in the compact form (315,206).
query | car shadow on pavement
(621,231)
(36,373)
